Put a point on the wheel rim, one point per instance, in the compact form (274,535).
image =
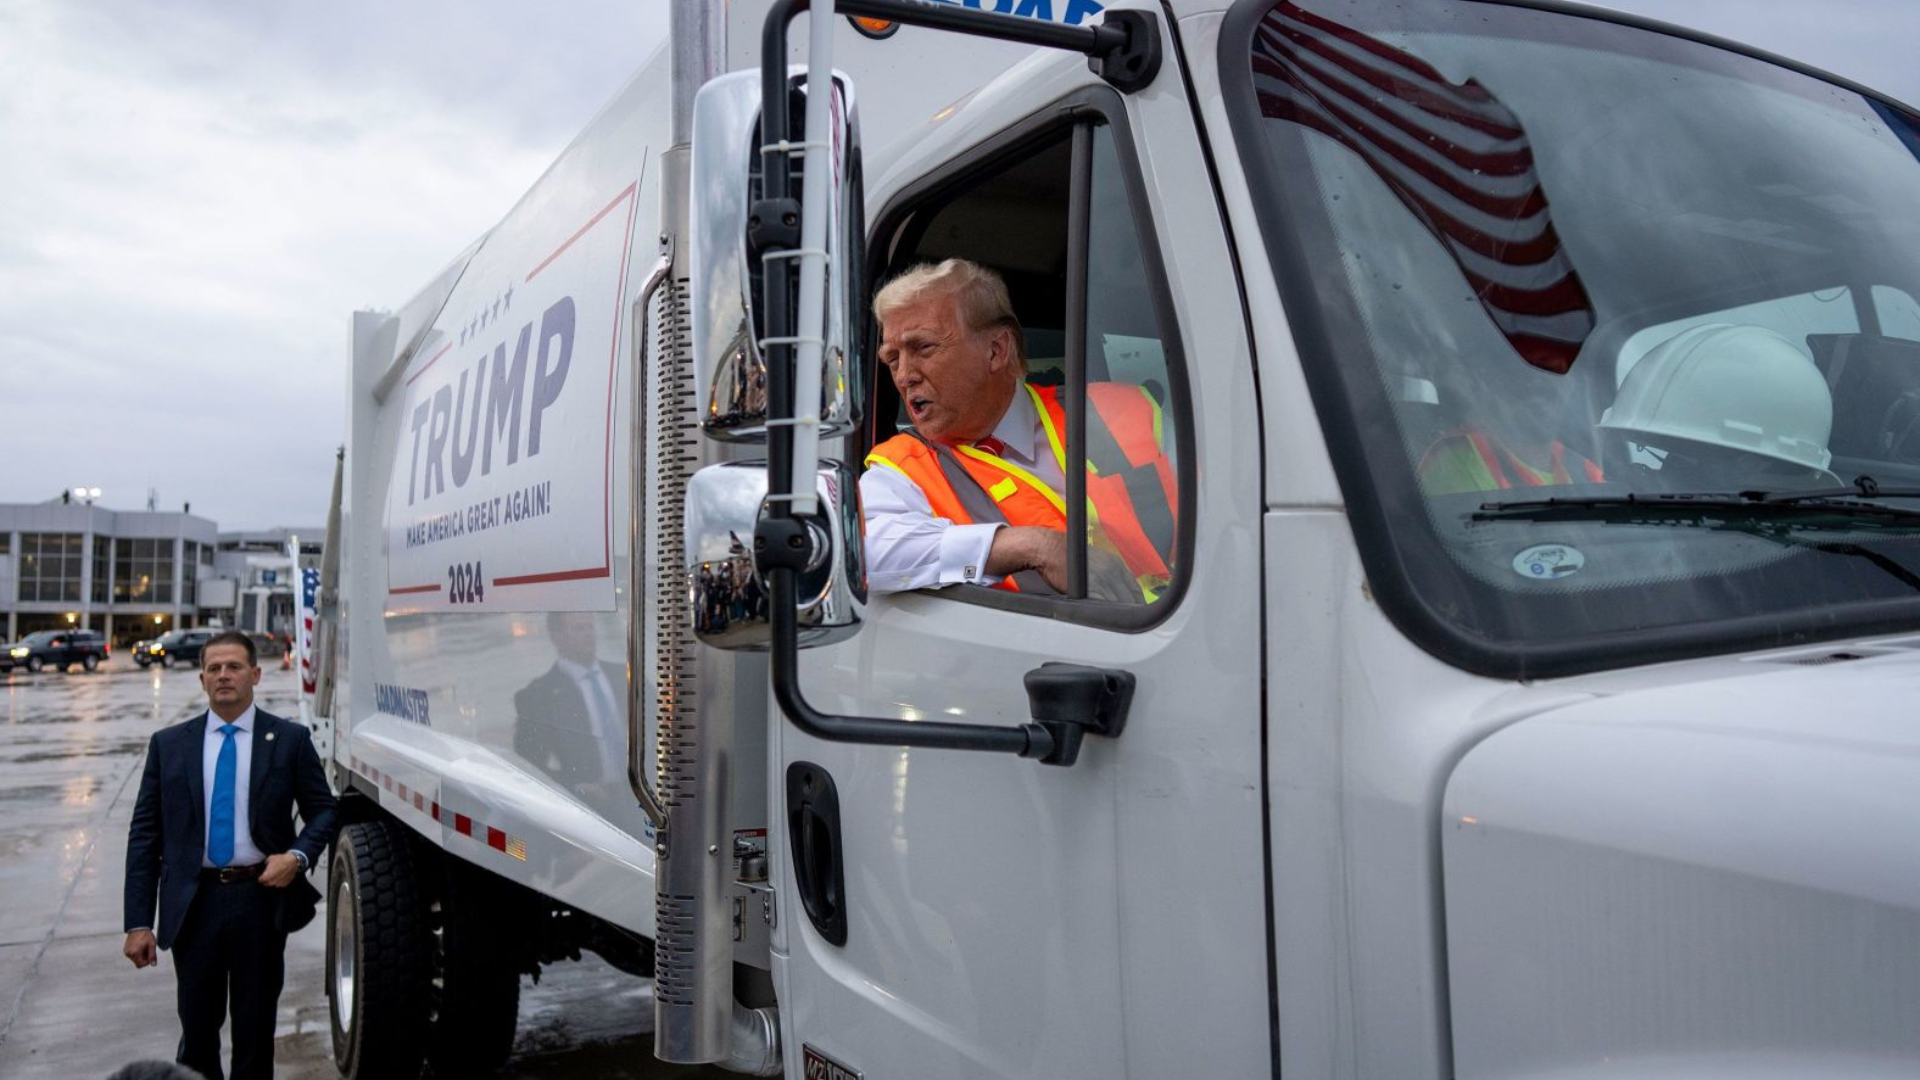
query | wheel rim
(343,953)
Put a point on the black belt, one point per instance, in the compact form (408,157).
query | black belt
(227,875)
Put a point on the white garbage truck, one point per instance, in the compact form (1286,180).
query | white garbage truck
(1526,687)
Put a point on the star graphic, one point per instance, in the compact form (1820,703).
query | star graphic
(496,307)
(509,299)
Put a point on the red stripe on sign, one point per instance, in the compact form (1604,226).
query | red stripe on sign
(419,801)
(428,364)
(608,209)
(558,575)
(462,824)
(413,589)
(496,839)
(436,811)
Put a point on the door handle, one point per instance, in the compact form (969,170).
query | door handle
(813,828)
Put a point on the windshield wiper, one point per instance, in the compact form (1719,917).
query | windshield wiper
(1842,508)
(1863,487)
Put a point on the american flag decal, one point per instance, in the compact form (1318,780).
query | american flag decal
(309,594)
(1453,153)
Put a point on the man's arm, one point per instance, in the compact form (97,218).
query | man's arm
(907,547)
(145,838)
(315,799)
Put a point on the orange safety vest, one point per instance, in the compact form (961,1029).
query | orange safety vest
(1469,459)
(1131,492)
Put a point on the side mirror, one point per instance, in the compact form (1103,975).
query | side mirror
(732,608)
(725,262)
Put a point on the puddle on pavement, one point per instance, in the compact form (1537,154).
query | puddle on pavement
(80,789)
(122,748)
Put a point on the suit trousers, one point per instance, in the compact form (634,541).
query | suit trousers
(229,956)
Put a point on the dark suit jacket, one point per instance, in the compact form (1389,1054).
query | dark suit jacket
(167,840)
(554,730)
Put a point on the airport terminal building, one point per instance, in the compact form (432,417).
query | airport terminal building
(132,574)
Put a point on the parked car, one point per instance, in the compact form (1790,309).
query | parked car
(57,648)
(182,646)
(146,651)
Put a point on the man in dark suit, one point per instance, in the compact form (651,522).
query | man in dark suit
(572,720)
(212,839)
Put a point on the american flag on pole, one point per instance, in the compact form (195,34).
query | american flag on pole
(1453,153)
(309,595)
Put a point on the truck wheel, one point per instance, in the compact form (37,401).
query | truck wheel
(34,664)
(377,951)
(91,663)
(473,995)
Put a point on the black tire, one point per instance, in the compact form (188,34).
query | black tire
(34,664)
(473,996)
(377,937)
(91,663)
(166,660)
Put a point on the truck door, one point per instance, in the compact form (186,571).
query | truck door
(980,915)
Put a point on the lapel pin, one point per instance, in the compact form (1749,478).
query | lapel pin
(269,736)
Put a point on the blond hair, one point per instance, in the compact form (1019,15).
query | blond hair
(979,292)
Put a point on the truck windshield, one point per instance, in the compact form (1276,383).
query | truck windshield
(1529,255)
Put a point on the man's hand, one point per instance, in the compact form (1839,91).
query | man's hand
(141,948)
(281,870)
(1032,547)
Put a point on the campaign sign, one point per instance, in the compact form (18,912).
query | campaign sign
(501,492)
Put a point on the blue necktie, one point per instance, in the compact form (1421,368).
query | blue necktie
(220,823)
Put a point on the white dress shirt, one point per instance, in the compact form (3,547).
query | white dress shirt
(909,548)
(245,852)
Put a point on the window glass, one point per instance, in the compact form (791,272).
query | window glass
(1534,256)
(1821,311)
(50,567)
(1014,219)
(1899,314)
(1130,423)
(102,569)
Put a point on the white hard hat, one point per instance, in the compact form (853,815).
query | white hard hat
(1742,388)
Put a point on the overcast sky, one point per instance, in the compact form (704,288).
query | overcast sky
(195,195)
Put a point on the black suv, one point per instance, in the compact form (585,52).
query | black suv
(181,646)
(59,648)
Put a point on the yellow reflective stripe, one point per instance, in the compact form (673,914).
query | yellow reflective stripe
(876,459)
(1159,439)
(1033,481)
(1053,435)
(1004,488)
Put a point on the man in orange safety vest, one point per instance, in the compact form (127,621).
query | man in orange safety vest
(974,491)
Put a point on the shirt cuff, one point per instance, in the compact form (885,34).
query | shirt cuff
(963,554)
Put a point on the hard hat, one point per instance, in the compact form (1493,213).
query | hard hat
(1742,388)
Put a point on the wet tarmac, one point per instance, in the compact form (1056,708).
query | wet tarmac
(71,749)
